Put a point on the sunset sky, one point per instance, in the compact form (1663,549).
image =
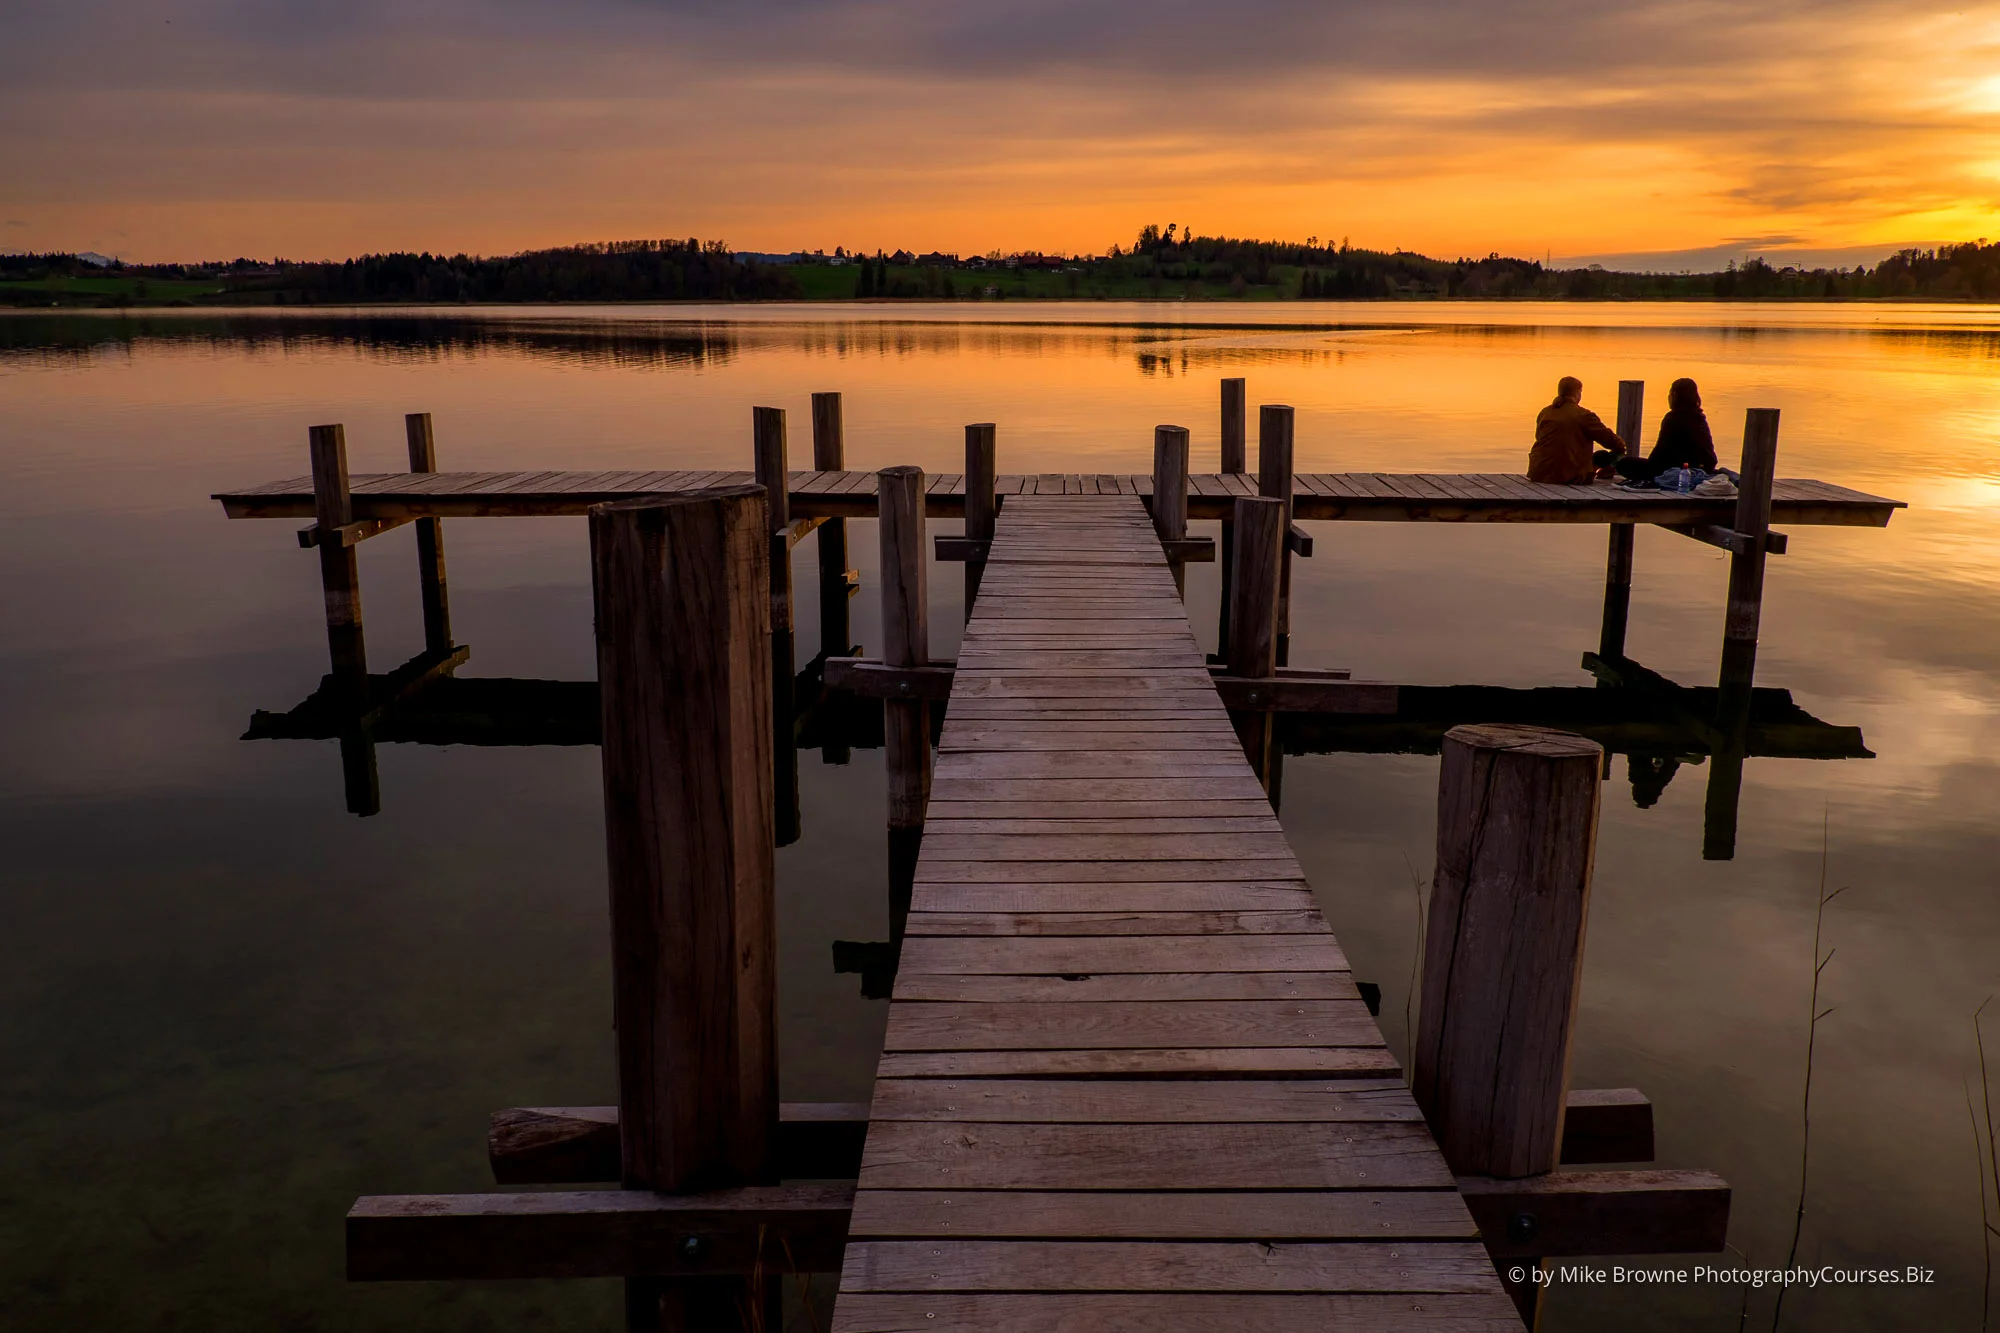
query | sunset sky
(1657,134)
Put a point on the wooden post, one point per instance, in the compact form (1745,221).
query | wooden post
(1233,397)
(1252,650)
(1232,464)
(430,541)
(1745,611)
(684,669)
(1170,484)
(836,580)
(771,471)
(1274,482)
(906,723)
(836,635)
(339,574)
(1618,564)
(982,506)
(768,427)
(1503,951)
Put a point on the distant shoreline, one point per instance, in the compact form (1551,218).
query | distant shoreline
(1200,269)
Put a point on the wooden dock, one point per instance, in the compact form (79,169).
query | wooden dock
(396,497)
(1127,1081)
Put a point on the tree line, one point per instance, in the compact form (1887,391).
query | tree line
(1162,263)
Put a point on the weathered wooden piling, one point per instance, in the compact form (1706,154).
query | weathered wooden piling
(430,541)
(1741,620)
(681,588)
(339,572)
(1169,501)
(1618,563)
(1503,949)
(906,723)
(982,505)
(1252,650)
(1274,482)
(1231,464)
(1233,424)
(772,472)
(836,580)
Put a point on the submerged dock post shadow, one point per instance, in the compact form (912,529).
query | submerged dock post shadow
(685,672)
(1740,625)
(906,723)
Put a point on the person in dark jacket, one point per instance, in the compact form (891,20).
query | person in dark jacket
(1564,432)
(1684,439)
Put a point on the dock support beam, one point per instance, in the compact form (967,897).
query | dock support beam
(1739,632)
(1232,464)
(836,583)
(982,506)
(773,474)
(906,724)
(1170,483)
(430,541)
(1252,650)
(684,664)
(1618,565)
(1503,952)
(339,572)
(1274,482)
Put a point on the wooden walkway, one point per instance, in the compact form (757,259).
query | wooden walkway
(1364,496)
(1128,1083)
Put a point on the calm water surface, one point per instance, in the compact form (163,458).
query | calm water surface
(227,1007)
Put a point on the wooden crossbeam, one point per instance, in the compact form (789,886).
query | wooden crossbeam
(871,679)
(576,1145)
(1187,550)
(1728,539)
(1600,1212)
(803,1227)
(598,1233)
(561,1145)
(1298,541)
(348,534)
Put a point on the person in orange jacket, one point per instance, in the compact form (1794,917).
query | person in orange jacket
(1564,433)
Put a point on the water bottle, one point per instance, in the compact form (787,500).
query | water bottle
(1684,483)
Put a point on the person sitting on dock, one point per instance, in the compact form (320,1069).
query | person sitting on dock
(1684,439)
(1564,432)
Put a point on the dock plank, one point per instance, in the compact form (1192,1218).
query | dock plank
(1125,1060)
(1180,1312)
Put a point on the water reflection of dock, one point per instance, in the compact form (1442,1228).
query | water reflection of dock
(1655,724)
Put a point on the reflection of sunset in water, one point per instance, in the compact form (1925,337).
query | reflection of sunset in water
(356,967)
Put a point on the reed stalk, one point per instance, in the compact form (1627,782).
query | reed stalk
(1812,1035)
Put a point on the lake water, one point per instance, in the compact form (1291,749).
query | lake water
(227,1007)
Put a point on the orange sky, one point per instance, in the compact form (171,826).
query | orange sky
(217,128)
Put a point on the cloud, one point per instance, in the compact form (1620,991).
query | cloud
(308,126)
